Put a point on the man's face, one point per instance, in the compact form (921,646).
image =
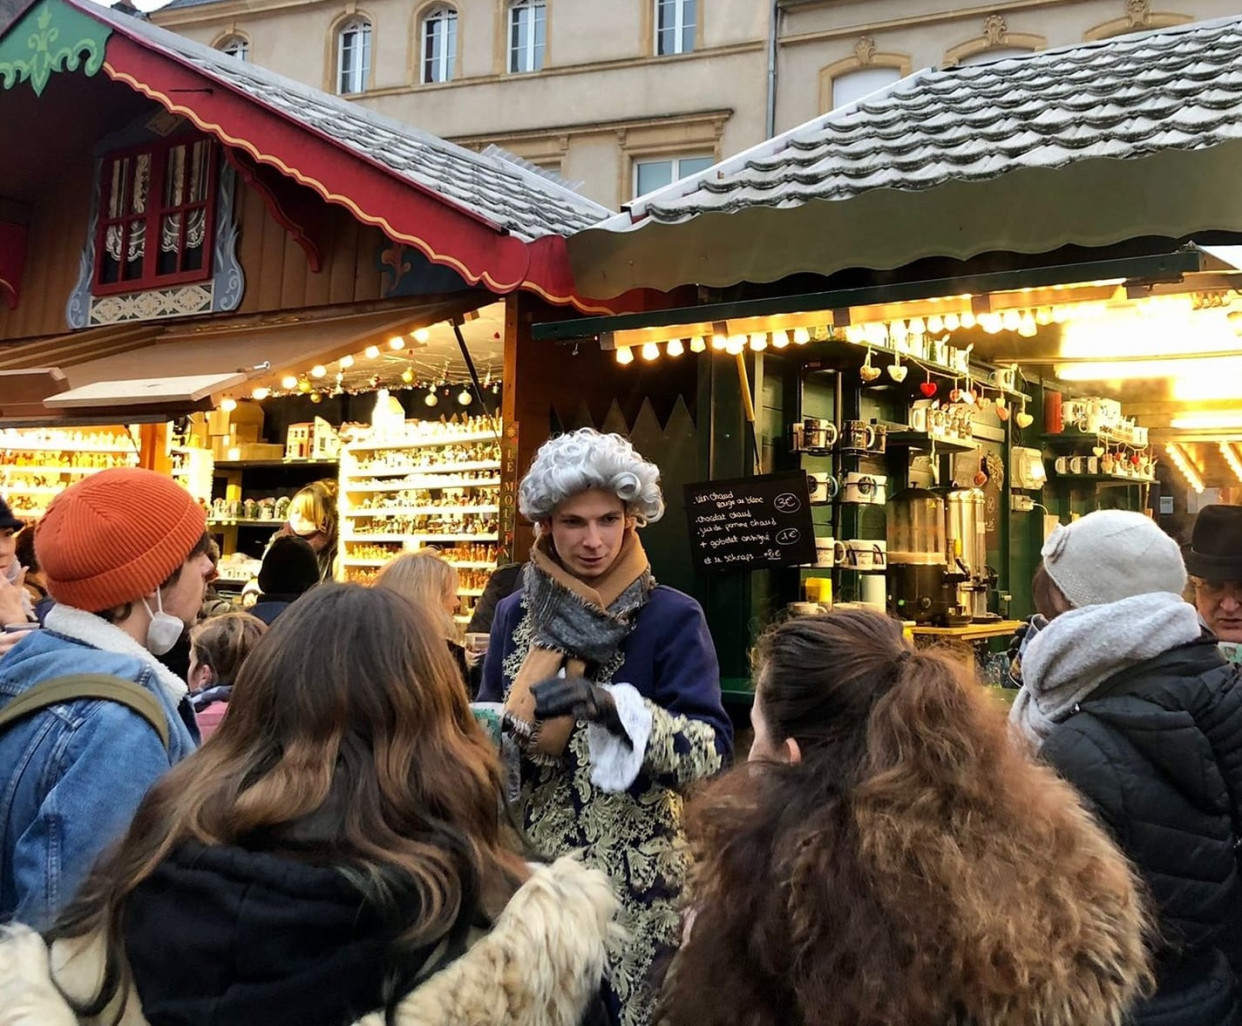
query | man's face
(8,545)
(587,532)
(1220,605)
(184,598)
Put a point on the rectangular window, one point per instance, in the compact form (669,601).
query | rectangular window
(527,36)
(675,24)
(354,59)
(650,175)
(439,46)
(156,216)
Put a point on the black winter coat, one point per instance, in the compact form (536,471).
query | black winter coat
(1157,749)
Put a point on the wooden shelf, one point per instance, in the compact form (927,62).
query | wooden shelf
(131,450)
(416,443)
(244,464)
(394,511)
(12,468)
(1118,478)
(1076,437)
(360,474)
(422,536)
(926,442)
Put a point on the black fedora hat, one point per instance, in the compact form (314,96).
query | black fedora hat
(1215,549)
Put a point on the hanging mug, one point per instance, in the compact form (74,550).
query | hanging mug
(857,436)
(819,435)
(864,488)
(1076,464)
(822,487)
(918,419)
(862,555)
(1061,464)
(880,445)
(1093,465)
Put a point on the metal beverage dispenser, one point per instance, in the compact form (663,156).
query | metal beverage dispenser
(919,588)
(965,527)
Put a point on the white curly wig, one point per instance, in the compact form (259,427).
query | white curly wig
(581,460)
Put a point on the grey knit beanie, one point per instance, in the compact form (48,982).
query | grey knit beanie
(1110,555)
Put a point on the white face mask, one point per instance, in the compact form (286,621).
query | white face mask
(13,571)
(164,630)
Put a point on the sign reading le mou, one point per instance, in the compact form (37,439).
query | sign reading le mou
(751,523)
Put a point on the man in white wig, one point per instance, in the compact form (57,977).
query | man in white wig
(611,685)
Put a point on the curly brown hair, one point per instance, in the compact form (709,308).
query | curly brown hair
(914,866)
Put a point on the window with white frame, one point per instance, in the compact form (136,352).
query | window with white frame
(674,26)
(650,175)
(353,56)
(528,27)
(235,46)
(854,85)
(439,45)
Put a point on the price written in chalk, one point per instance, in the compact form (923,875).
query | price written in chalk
(751,523)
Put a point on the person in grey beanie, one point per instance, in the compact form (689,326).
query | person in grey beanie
(1128,697)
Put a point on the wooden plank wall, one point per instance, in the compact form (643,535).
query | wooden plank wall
(277,274)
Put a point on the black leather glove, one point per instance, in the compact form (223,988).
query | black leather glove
(581,699)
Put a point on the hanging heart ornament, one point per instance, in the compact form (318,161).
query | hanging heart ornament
(867,372)
(1097,450)
(928,388)
(1023,419)
(955,396)
(1002,411)
(896,371)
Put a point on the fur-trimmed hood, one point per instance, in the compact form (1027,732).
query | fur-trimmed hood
(540,965)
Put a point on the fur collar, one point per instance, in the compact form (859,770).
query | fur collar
(91,630)
(539,966)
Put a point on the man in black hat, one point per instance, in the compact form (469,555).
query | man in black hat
(1214,562)
(14,609)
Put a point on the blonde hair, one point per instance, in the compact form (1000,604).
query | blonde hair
(316,504)
(427,580)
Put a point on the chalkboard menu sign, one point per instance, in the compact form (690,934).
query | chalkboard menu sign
(751,523)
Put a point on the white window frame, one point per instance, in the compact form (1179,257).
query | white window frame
(675,160)
(439,67)
(680,24)
(236,46)
(528,58)
(355,34)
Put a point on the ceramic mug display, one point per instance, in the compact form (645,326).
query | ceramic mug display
(822,487)
(861,555)
(825,552)
(880,444)
(857,436)
(1077,464)
(869,489)
(1061,463)
(814,435)
(918,419)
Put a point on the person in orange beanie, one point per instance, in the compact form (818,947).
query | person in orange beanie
(124,555)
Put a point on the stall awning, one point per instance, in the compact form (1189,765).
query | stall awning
(1089,145)
(146,370)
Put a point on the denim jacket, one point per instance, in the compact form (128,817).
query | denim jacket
(72,776)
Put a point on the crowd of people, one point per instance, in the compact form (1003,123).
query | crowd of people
(335,813)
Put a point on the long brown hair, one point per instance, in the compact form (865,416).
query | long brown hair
(224,641)
(350,743)
(426,578)
(915,867)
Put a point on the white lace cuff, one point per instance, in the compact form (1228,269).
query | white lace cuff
(614,766)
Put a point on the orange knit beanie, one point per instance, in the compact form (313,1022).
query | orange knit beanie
(116,536)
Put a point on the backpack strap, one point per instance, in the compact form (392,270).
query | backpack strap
(75,687)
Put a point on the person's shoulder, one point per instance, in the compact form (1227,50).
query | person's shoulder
(671,602)
(507,605)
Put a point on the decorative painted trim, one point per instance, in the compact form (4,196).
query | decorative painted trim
(29,49)
(153,304)
(78,308)
(298,219)
(12,261)
(228,277)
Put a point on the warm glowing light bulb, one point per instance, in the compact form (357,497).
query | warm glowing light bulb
(260,393)
(304,385)
(737,344)
(407,375)
(319,371)
(897,330)
(1027,326)
(1011,320)
(675,347)
(372,352)
(758,341)
(228,405)
(720,342)
(464,397)
(396,343)
(969,320)
(431,399)
(952,322)
(651,351)
(1043,315)
(854,333)
(917,326)
(422,336)
(697,344)
(780,339)
(801,336)
(288,381)
(935,324)
(625,355)
(346,362)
